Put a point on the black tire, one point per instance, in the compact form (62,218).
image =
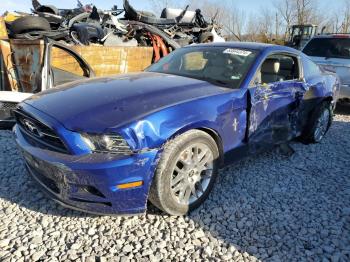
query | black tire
(206,37)
(160,194)
(310,135)
(51,9)
(28,24)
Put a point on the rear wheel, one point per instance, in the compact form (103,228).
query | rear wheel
(186,173)
(319,123)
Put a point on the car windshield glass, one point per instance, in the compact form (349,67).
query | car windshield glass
(329,48)
(219,65)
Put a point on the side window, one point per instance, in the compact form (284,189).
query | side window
(277,68)
(310,68)
(194,61)
(65,67)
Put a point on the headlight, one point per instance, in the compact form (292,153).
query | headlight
(114,144)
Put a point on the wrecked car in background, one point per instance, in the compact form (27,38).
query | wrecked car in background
(161,135)
(89,25)
(332,53)
(23,82)
(33,66)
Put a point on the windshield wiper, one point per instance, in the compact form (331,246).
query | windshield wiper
(216,81)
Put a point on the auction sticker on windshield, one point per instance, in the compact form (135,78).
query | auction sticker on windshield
(234,51)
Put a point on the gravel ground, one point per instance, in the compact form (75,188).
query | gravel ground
(269,207)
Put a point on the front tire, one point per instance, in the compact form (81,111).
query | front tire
(318,124)
(186,173)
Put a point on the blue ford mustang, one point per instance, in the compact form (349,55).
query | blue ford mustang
(108,145)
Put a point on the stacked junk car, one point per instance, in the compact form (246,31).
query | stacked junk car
(53,46)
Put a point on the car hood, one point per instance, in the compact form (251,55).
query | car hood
(339,66)
(101,103)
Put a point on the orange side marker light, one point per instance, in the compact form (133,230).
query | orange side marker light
(130,185)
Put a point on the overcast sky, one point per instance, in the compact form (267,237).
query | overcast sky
(246,5)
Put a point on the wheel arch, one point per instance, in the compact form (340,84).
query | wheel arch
(331,100)
(217,138)
(212,132)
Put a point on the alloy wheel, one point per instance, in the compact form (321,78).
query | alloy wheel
(322,125)
(192,173)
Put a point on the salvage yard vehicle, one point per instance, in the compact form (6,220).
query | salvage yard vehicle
(332,53)
(87,25)
(60,65)
(108,145)
(299,35)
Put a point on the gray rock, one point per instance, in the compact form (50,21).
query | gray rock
(91,232)
(198,234)
(36,240)
(208,250)
(90,259)
(4,243)
(266,207)
(37,255)
(127,248)
(76,246)
(252,250)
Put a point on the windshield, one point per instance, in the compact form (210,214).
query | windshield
(219,65)
(329,47)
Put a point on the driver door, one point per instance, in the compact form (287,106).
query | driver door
(275,95)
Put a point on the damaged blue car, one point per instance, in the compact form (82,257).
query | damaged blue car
(108,145)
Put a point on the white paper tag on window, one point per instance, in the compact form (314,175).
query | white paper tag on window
(234,51)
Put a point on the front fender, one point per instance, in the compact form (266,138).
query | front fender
(216,113)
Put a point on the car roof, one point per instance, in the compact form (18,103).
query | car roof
(250,45)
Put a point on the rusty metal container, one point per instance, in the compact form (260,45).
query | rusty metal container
(27,57)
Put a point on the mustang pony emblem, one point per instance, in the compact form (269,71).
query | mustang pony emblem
(31,127)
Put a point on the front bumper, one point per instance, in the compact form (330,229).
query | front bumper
(89,182)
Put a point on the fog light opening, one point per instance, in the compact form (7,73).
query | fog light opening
(92,190)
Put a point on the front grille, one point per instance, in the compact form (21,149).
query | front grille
(39,134)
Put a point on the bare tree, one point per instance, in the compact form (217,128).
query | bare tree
(307,11)
(346,21)
(209,9)
(224,13)
(234,20)
(285,9)
(250,31)
(265,24)
(158,5)
(339,20)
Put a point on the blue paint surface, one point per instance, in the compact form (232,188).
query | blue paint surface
(148,109)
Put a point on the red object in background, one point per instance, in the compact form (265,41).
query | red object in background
(159,47)
(155,48)
(162,45)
